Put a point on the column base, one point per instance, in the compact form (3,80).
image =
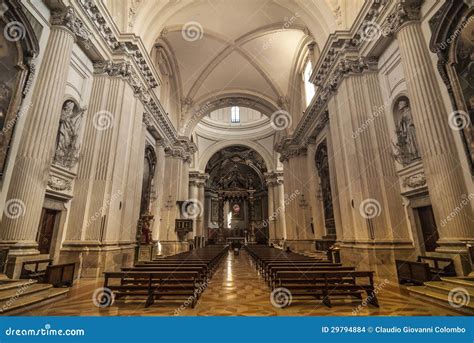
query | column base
(20,248)
(375,256)
(168,248)
(299,245)
(92,258)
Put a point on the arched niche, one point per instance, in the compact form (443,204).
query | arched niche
(453,43)
(67,139)
(18,47)
(406,149)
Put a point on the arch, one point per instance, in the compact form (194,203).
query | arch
(227,98)
(210,151)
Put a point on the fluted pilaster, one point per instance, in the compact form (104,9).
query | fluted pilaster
(444,176)
(29,177)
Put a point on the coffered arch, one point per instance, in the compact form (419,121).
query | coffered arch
(227,98)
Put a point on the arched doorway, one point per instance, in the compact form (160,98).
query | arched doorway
(237,196)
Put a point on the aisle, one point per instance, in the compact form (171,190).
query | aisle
(236,289)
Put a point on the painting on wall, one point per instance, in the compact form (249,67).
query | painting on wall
(237,210)
(214,210)
(18,46)
(257,210)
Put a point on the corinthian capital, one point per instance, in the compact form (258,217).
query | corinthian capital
(69,19)
(404,11)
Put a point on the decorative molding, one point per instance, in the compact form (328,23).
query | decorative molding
(31,77)
(415,181)
(59,184)
(69,19)
(184,149)
(288,149)
(404,11)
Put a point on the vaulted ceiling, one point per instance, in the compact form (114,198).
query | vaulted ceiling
(247,50)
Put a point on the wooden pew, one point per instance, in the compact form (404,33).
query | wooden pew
(272,277)
(154,285)
(174,276)
(39,269)
(435,265)
(325,284)
(60,275)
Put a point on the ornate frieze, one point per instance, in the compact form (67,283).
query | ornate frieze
(404,11)
(288,149)
(414,181)
(340,57)
(59,184)
(130,48)
(69,19)
(122,69)
(183,148)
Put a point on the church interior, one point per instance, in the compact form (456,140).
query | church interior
(237,158)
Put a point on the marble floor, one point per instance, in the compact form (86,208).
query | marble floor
(236,289)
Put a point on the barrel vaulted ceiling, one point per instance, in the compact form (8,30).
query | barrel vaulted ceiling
(234,48)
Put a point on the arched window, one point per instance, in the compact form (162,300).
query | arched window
(235,114)
(308,86)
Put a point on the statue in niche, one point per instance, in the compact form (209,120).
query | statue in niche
(67,145)
(406,147)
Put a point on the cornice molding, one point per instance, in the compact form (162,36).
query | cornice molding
(183,149)
(134,65)
(404,11)
(69,19)
(345,53)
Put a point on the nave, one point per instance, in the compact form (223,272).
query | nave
(236,289)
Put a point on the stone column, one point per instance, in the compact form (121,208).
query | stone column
(176,173)
(281,231)
(269,178)
(440,158)
(296,206)
(201,199)
(26,193)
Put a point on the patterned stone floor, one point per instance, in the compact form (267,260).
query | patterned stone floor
(237,290)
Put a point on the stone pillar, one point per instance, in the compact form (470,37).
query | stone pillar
(201,218)
(296,206)
(26,193)
(174,190)
(196,193)
(270,181)
(281,227)
(193,196)
(440,158)
(158,186)
(373,220)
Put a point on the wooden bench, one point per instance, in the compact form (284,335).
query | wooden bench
(272,276)
(180,275)
(154,285)
(325,284)
(419,272)
(435,265)
(60,275)
(38,272)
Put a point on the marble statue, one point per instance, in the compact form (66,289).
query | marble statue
(67,146)
(406,146)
